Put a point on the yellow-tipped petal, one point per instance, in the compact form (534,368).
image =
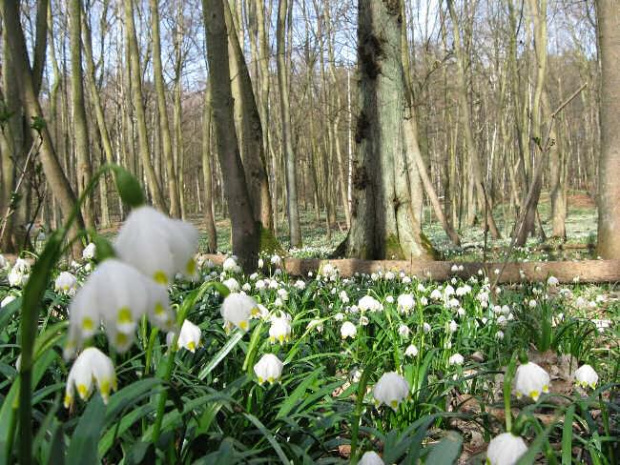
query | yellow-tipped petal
(255,311)
(88,324)
(260,380)
(121,340)
(191,346)
(190,268)
(545,388)
(244,325)
(68,400)
(160,278)
(159,309)
(124,316)
(82,391)
(394,404)
(534,395)
(270,379)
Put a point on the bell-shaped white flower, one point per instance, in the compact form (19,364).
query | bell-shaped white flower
(66,283)
(19,274)
(369,303)
(371,458)
(90,368)
(436,294)
(505,449)
(404,331)
(232,284)
(89,251)
(230,265)
(268,368)
(237,309)
(391,390)
(280,330)
(585,376)
(7,300)
(348,329)
(531,380)
(456,359)
(405,303)
(411,351)
(156,245)
(189,337)
(315,324)
(117,295)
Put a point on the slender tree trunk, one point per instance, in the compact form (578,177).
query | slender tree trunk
(208,175)
(245,231)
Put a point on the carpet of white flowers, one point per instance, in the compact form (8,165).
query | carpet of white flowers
(270,368)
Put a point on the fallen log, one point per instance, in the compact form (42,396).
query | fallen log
(567,272)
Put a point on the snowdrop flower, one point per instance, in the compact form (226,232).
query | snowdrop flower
(260,285)
(260,312)
(370,303)
(499,335)
(421,287)
(456,359)
(91,367)
(532,303)
(405,303)
(299,284)
(426,328)
(391,389)
(505,449)
(454,268)
(232,284)
(463,290)
(339,316)
(89,251)
(7,300)
(315,324)
(436,294)
(283,294)
(348,329)
(19,273)
(280,330)
(66,283)
(389,299)
(276,260)
(278,302)
(237,309)
(424,301)
(247,287)
(268,368)
(448,291)
(452,326)
(585,376)
(189,337)
(552,281)
(531,380)
(404,331)
(453,303)
(156,245)
(371,458)
(411,351)
(406,280)
(261,263)
(364,320)
(119,295)
(273,284)
(230,265)
(389,275)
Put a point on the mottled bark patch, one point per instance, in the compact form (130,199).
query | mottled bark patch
(370,52)
(362,127)
(360,178)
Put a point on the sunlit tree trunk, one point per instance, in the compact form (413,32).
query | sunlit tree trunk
(207,174)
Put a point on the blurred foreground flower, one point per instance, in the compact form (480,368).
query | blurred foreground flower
(91,367)
(505,449)
(371,458)
(66,283)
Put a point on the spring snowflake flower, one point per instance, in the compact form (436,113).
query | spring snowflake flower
(7,300)
(156,245)
(405,303)
(348,329)
(20,273)
(230,265)
(436,295)
(371,458)
(66,283)
(585,376)
(237,309)
(370,303)
(280,330)
(364,320)
(404,331)
(456,359)
(426,328)
(531,380)
(117,295)
(268,368)
(411,351)
(300,285)
(452,326)
(391,389)
(315,324)
(499,335)
(552,281)
(89,251)
(232,284)
(505,449)
(91,367)
(189,337)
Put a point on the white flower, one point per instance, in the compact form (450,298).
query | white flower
(499,335)
(436,294)
(404,331)
(189,337)
(369,303)
(89,251)
(533,303)
(405,303)
(426,328)
(276,260)
(552,281)
(411,351)
(505,449)
(7,300)
(448,291)
(3,263)
(339,316)
(364,320)
(261,263)
(66,283)
(119,295)
(91,367)
(268,368)
(315,324)
(232,284)
(586,376)
(283,294)
(230,265)
(391,389)
(247,287)
(452,326)
(19,273)
(456,359)
(531,380)
(299,284)
(156,245)
(348,329)
(237,309)
(371,458)
(280,330)
(463,290)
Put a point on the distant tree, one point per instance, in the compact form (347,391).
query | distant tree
(609,186)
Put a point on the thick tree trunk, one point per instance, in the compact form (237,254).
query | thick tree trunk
(383,224)
(609,185)
(245,231)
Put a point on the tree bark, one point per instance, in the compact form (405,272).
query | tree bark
(207,174)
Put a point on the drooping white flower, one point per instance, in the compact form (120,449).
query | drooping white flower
(456,359)
(426,327)
(531,380)
(364,321)
(230,265)
(505,449)
(66,283)
(7,300)
(89,251)
(585,376)
(91,367)
(4,264)
(280,330)
(463,290)
(117,295)
(452,326)
(411,351)
(552,281)
(369,303)
(19,273)
(436,294)
(348,329)
(189,337)
(371,458)
(391,389)
(405,302)
(404,331)
(157,245)
(237,309)
(232,284)
(315,324)
(300,285)
(499,335)
(268,368)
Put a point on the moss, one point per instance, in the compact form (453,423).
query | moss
(393,249)
(428,246)
(269,243)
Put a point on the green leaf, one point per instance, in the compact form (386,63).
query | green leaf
(224,351)
(297,394)
(269,436)
(567,436)
(129,188)
(446,451)
(83,447)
